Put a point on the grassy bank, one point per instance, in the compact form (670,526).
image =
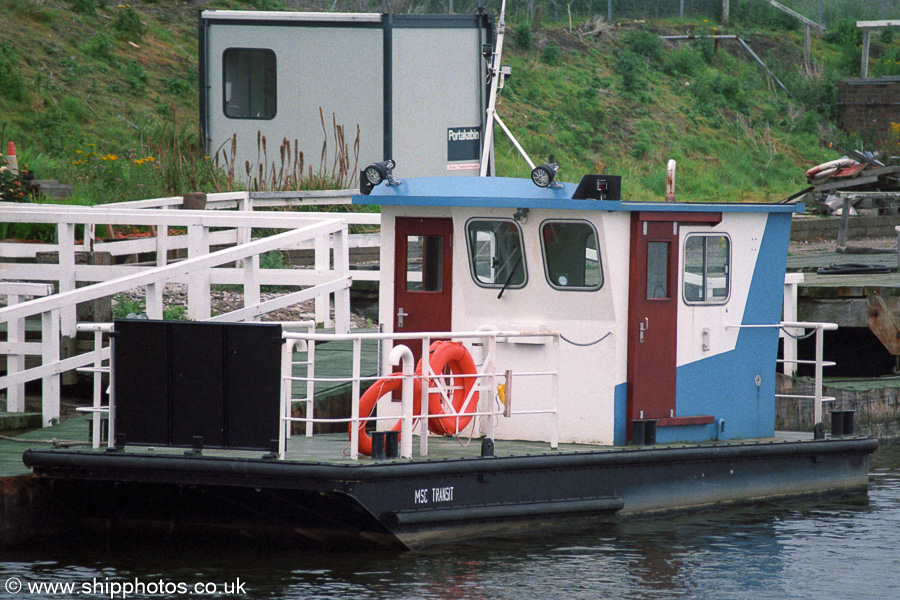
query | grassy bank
(104,96)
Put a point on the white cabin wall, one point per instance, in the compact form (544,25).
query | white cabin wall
(588,374)
(745,231)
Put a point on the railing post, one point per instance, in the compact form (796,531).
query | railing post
(15,333)
(310,381)
(198,285)
(162,243)
(322,263)
(342,269)
(492,353)
(66,245)
(789,313)
(287,371)
(426,384)
(98,388)
(111,429)
(403,355)
(820,345)
(554,392)
(49,355)
(154,300)
(354,402)
(251,282)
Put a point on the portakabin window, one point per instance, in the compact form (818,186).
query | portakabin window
(249,83)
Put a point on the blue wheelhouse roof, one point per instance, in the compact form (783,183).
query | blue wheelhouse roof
(504,192)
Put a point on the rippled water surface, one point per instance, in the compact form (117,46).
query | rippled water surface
(844,548)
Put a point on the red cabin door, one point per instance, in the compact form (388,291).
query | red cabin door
(422,276)
(652,317)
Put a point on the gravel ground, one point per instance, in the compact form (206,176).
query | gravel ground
(223,301)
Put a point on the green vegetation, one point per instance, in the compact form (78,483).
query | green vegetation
(104,96)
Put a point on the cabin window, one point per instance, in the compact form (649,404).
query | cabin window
(496,253)
(707,270)
(657,270)
(571,255)
(424,263)
(249,81)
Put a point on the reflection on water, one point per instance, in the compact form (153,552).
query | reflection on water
(842,548)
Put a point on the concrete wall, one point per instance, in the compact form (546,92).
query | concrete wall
(804,229)
(877,409)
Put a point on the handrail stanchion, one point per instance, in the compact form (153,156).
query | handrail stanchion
(98,387)
(287,359)
(311,381)
(820,344)
(111,429)
(554,381)
(403,355)
(354,402)
(492,356)
(426,384)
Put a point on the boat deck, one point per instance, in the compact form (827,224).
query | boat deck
(327,448)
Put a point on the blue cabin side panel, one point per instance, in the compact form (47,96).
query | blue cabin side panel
(725,385)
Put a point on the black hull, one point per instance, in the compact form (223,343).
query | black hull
(412,504)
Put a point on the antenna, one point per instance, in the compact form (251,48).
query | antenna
(496,74)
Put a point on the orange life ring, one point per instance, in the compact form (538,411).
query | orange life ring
(452,357)
(367,402)
(444,356)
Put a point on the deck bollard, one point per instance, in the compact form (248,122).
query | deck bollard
(837,423)
(378,439)
(848,422)
(643,432)
(391,444)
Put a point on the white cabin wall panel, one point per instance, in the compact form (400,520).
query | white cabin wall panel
(588,374)
(313,73)
(436,80)
(745,231)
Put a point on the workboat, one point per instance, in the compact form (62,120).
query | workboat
(548,352)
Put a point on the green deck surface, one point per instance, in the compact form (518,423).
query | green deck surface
(73,430)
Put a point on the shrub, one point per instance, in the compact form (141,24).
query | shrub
(550,54)
(84,7)
(128,23)
(630,67)
(12,187)
(522,36)
(645,43)
(683,61)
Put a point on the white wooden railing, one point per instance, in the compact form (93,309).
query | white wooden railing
(202,268)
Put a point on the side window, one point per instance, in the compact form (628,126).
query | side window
(707,273)
(249,81)
(571,255)
(496,253)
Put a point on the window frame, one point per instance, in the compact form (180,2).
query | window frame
(225,82)
(705,274)
(570,288)
(471,261)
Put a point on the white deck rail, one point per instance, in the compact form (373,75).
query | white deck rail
(201,269)
(819,329)
(486,383)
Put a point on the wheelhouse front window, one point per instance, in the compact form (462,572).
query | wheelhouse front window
(496,253)
(707,273)
(571,255)
(249,80)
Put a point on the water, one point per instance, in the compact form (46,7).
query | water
(844,548)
